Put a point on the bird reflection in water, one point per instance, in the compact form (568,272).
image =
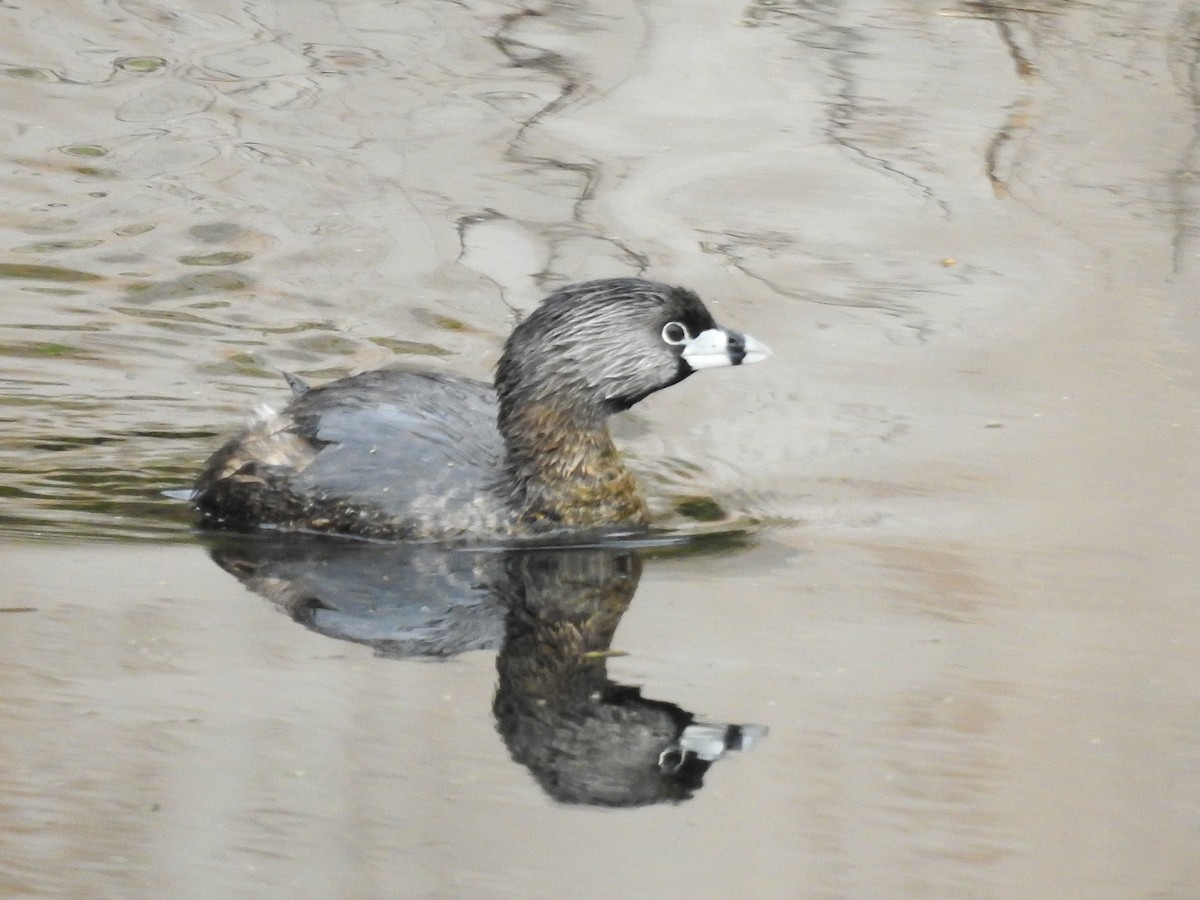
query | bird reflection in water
(551,613)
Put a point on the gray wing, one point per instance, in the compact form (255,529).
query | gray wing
(414,445)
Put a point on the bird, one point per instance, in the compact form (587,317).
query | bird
(409,454)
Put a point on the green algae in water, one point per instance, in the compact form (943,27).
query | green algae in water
(326,344)
(102,502)
(90,150)
(298,328)
(227,258)
(219,281)
(55,246)
(444,322)
(216,232)
(243,364)
(43,350)
(162,315)
(414,348)
(186,285)
(44,273)
(29,73)
(141,63)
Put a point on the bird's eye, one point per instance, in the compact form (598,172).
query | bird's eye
(675,333)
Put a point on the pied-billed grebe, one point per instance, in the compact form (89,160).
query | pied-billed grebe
(401,454)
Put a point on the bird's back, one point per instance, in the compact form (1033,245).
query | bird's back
(391,453)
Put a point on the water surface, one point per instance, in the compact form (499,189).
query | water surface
(967,609)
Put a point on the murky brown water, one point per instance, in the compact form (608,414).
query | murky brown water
(970,618)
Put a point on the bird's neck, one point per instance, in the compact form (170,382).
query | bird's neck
(567,471)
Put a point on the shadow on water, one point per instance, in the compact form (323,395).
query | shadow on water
(550,612)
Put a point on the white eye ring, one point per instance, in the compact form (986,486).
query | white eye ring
(675,333)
